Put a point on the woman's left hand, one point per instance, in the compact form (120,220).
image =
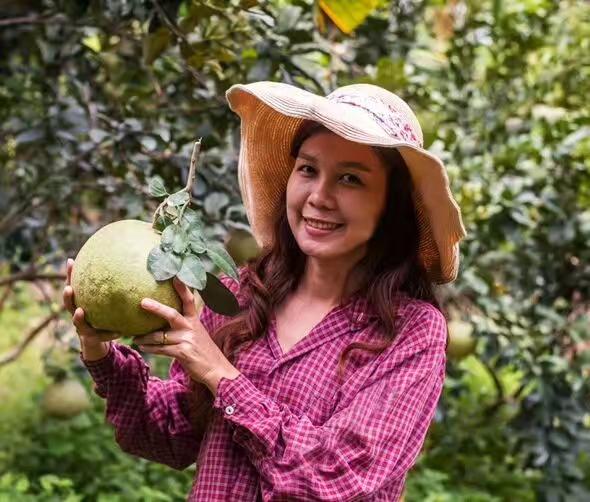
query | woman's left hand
(187,340)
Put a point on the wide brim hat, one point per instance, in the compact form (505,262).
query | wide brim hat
(271,114)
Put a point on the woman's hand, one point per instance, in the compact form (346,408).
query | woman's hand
(187,340)
(94,343)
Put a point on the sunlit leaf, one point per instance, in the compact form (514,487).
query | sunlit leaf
(348,14)
(92,42)
(155,43)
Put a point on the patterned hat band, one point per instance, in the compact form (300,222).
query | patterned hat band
(394,123)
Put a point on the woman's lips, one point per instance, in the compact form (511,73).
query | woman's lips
(320,232)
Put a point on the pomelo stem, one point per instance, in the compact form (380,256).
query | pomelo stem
(193,168)
(189,182)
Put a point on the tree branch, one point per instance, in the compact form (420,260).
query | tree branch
(500,397)
(13,354)
(30,275)
(192,170)
(35,19)
(5,296)
(290,64)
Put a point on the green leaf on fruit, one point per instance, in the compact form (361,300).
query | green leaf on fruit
(193,272)
(180,244)
(191,220)
(196,241)
(163,265)
(172,211)
(220,257)
(219,298)
(174,238)
(162,222)
(178,198)
(157,188)
(167,239)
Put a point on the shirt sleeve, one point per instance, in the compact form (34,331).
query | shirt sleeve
(151,416)
(373,437)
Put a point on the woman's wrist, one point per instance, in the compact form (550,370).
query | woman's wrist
(92,352)
(212,381)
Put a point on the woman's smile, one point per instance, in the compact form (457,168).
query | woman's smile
(317,228)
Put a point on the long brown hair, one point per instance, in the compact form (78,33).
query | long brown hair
(390,265)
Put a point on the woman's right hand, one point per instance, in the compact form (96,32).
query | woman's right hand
(94,343)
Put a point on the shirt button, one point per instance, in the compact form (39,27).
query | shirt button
(229,410)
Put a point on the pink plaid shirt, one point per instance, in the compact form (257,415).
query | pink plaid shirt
(286,428)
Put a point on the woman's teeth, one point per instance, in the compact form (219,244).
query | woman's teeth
(321,225)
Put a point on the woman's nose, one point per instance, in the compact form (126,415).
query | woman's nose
(322,195)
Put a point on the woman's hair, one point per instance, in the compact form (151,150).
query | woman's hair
(390,265)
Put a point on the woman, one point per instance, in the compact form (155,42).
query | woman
(324,386)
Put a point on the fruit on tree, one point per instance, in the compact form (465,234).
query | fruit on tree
(65,399)
(241,245)
(110,278)
(461,340)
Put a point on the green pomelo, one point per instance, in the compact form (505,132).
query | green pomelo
(65,399)
(110,278)
(241,246)
(461,341)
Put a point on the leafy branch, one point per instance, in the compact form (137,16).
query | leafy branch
(183,244)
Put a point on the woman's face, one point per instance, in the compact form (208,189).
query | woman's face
(340,183)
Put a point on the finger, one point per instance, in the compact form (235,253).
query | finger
(156,349)
(84,329)
(107,336)
(68,299)
(69,268)
(156,338)
(187,297)
(174,318)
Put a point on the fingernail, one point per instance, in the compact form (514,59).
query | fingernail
(147,303)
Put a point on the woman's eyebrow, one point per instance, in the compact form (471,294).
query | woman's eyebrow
(344,164)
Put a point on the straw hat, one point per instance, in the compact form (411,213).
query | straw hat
(271,113)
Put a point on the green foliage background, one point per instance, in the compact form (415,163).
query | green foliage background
(98,96)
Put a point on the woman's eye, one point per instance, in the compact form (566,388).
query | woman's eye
(303,168)
(353,179)
(349,178)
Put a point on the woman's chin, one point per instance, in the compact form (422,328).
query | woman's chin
(319,250)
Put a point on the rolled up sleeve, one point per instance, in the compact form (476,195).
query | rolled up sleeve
(151,416)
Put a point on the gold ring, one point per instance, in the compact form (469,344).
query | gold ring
(164,338)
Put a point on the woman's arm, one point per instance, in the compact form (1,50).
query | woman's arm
(371,440)
(150,416)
